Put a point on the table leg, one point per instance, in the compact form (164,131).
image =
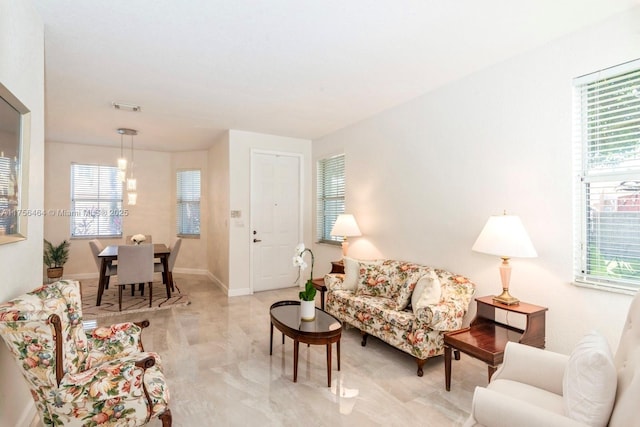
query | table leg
(490,371)
(329,365)
(271,340)
(165,264)
(447,367)
(296,346)
(322,300)
(101,281)
(338,348)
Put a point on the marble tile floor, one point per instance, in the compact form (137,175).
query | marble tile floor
(216,359)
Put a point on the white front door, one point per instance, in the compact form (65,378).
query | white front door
(275,218)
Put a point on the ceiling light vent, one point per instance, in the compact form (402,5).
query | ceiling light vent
(127,107)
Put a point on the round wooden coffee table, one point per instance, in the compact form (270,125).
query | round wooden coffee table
(323,330)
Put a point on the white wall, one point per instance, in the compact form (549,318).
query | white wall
(22,72)
(423,178)
(218,243)
(240,145)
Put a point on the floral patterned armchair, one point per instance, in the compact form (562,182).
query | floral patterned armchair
(101,377)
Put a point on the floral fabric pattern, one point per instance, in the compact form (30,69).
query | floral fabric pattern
(101,384)
(379,306)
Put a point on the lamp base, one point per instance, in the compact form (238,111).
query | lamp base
(506,299)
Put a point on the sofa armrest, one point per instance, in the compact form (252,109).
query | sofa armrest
(493,409)
(333,281)
(444,316)
(533,366)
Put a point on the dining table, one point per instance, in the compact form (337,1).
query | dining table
(110,254)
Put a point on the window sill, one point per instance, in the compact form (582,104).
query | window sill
(618,289)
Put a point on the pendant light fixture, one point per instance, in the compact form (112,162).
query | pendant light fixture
(122,161)
(132,196)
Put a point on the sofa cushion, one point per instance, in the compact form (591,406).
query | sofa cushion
(352,272)
(590,381)
(375,280)
(405,280)
(428,291)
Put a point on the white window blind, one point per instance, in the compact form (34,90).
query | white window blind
(330,193)
(188,203)
(607,148)
(96,201)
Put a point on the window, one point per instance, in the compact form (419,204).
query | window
(96,201)
(607,235)
(330,193)
(188,203)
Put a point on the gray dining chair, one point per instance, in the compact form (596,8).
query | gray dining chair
(128,241)
(112,270)
(167,277)
(135,265)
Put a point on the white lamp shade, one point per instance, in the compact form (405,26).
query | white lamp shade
(132,198)
(122,163)
(131,184)
(346,226)
(505,236)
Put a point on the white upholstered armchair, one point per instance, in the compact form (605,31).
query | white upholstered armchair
(535,387)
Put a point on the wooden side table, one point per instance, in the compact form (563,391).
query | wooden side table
(485,339)
(337,267)
(319,285)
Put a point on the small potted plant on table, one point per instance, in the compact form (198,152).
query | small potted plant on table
(55,257)
(307,297)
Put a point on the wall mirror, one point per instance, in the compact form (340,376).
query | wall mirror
(14,151)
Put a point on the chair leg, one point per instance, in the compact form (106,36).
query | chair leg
(133,290)
(106,282)
(166,418)
(141,289)
(150,293)
(120,297)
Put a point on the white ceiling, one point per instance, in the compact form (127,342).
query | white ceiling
(299,68)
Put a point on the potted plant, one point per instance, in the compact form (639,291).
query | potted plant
(55,257)
(308,295)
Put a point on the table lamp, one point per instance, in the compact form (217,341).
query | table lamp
(345,226)
(505,236)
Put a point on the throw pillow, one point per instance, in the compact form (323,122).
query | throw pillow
(590,381)
(375,280)
(351,274)
(428,291)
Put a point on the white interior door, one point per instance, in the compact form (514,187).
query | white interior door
(275,219)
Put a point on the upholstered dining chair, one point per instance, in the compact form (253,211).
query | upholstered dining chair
(135,266)
(535,387)
(147,239)
(167,277)
(82,378)
(96,248)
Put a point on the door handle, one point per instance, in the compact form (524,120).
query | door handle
(256,240)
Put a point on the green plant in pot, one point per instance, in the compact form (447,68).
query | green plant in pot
(308,295)
(55,256)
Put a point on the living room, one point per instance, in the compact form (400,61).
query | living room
(422,179)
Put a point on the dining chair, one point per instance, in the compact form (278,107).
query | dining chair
(128,241)
(112,270)
(167,277)
(135,265)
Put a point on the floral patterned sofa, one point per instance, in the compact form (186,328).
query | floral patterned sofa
(78,378)
(378,298)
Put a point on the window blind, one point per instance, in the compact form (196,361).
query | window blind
(188,203)
(607,147)
(96,201)
(330,197)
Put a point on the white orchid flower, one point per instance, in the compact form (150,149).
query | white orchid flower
(299,262)
(300,248)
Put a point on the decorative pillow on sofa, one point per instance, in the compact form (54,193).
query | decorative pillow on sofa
(352,272)
(590,381)
(375,280)
(428,291)
(405,279)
